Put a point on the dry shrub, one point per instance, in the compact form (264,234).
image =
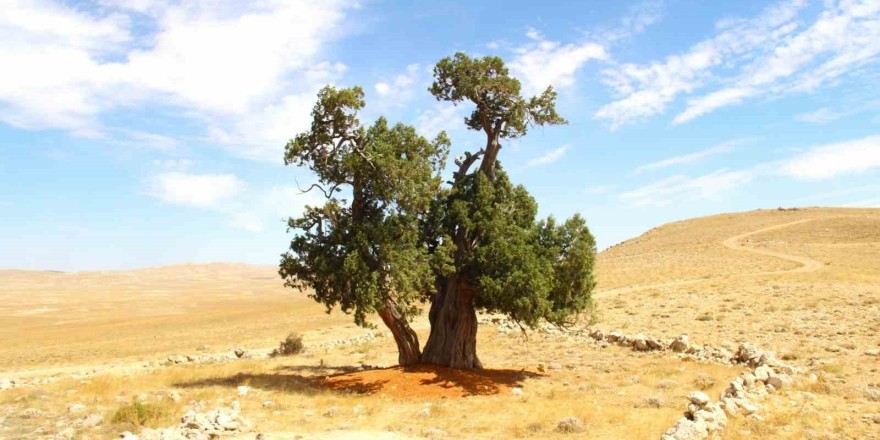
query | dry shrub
(138,414)
(290,346)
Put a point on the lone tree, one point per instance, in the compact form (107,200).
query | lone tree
(405,239)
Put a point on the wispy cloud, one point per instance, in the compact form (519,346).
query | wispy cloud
(678,187)
(772,54)
(549,157)
(541,62)
(845,37)
(400,89)
(439,118)
(830,160)
(646,90)
(821,116)
(692,157)
(196,190)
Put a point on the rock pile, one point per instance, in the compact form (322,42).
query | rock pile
(196,425)
(701,420)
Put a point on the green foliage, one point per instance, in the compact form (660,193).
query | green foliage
(527,269)
(390,231)
(291,345)
(499,106)
(138,414)
(363,246)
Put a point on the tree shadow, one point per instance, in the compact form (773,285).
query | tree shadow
(296,379)
(473,382)
(416,381)
(428,381)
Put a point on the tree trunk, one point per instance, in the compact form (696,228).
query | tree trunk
(453,339)
(406,338)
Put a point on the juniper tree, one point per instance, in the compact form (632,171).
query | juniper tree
(391,237)
(362,250)
(494,255)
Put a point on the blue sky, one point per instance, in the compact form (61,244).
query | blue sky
(139,133)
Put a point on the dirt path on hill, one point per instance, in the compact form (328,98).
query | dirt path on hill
(807,264)
(734,243)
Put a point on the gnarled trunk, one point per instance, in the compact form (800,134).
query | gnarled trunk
(453,339)
(406,338)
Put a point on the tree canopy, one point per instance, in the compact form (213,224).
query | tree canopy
(392,236)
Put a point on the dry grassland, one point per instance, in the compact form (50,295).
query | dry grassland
(804,283)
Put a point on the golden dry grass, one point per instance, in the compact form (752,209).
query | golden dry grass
(678,278)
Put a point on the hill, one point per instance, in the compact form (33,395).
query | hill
(801,282)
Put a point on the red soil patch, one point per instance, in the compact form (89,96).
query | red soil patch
(427,381)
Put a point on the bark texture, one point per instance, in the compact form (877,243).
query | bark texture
(453,339)
(406,338)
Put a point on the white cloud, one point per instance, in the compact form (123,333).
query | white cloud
(221,62)
(439,118)
(399,89)
(646,90)
(549,157)
(197,190)
(541,62)
(826,161)
(688,158)
(679,187)
(635,21)
(821,116)
(846,36)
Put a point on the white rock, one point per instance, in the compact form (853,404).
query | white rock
(128,436)
(174,396)
(698,397)
(517,391)
(779,381)
(748,408)
(92,420)
(76,408)
(763,373)
(243,390)
(6,384)
(686,429)
(680,344)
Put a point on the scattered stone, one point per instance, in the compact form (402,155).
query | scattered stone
(174,396)
(30,413)
(424,412)
(128,436)
(570,425)
(268,404)
(76,408)
(92,421)
(517,391)
(872,394)
(654,402)
(243,390)
(6,384)
(66,434)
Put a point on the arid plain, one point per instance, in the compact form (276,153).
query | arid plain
(78,349)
